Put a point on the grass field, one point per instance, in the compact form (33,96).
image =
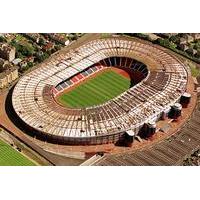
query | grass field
(11,157)
(96,90)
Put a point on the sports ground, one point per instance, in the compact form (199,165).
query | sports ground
(95,90)
(11,157)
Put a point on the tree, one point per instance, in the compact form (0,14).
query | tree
(41,56)
(23,69)
(174,38)
(27,50)
(2,39)
(41,41)
(53,50)
(197,45)
(30,64)
(172,45)
(57,47)
(166,43)
(46,55)
(19,55)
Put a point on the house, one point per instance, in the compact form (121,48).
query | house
(2,61)
(3,64)
(182,40)
(183,47)
(67,42)
(196,36)
(23,64)
(198,54)
(48,47)
(9,36)
(29,59)
(189,38)
(191,51)
(16,61)
(7,52)
(8,75)
(33,36)
(61,38)
(170,34)
(166,35)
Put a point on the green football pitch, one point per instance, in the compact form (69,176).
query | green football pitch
(11,157)
(97,90)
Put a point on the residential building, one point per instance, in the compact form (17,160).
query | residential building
(62,38)
(7,52)
(3,64)
(8,75)
(189,38)
(35,37)
(48,46)
(198,54)
(191,51)
(196,36)
(182,40)
(16,61)
(29,59)
(183,47)
(23,64)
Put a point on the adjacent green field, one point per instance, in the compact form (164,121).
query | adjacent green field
(95,91)
(11,157)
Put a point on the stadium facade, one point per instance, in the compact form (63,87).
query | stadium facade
(160,80)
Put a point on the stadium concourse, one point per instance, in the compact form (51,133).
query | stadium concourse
(160,81)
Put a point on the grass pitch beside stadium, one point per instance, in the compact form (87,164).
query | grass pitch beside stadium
(97,90)
(11,157)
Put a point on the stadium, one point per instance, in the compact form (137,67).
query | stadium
(103,91)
